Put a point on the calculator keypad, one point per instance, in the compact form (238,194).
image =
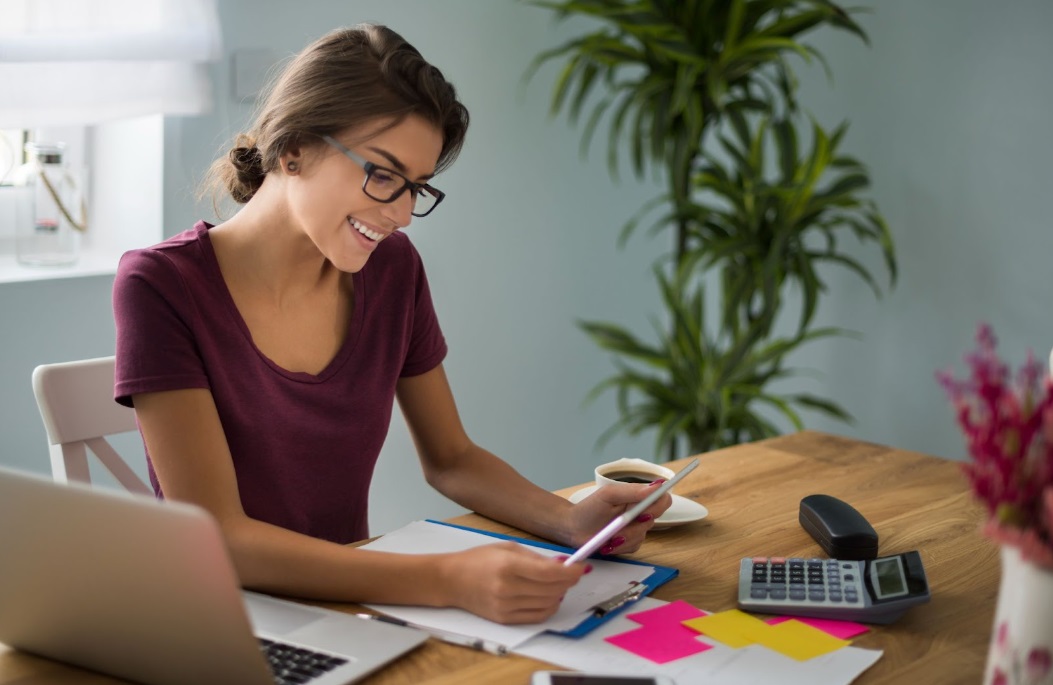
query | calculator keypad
(815,582)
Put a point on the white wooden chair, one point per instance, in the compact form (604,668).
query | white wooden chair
(76,402)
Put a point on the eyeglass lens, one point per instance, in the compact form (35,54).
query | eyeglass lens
(383,185)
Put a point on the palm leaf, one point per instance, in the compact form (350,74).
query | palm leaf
(693,90)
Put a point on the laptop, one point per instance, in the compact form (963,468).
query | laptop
(145,590)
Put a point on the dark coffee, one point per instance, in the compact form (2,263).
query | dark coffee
(631,477)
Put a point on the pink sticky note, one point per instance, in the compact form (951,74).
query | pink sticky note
(839,629)
(660,644)
(673,612)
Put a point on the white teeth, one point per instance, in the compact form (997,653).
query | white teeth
(372,235)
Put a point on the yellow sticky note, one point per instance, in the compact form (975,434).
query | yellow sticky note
(734,628)
(797,640)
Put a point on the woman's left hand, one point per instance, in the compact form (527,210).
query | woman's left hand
(596,511)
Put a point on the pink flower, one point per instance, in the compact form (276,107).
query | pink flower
(1002,636)
(1007,422)
(1039,663)
(1000,677)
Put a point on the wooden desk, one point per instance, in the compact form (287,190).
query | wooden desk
(753,493)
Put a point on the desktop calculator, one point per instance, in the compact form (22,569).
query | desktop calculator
(869,591)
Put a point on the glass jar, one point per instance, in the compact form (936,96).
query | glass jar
(50,211)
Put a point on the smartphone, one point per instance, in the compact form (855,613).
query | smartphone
(574,678)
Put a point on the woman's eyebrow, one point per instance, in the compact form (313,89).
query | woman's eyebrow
(397,163)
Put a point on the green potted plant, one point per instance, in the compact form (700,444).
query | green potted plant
(700,91)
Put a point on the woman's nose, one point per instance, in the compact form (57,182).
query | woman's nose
(400,211)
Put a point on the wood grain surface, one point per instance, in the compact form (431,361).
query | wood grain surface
(753,493)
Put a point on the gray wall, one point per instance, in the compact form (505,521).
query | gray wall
(946,107)
(949,107)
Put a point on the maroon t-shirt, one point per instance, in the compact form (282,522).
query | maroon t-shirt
(304,446)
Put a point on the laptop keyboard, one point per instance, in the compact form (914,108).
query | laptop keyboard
(293,665)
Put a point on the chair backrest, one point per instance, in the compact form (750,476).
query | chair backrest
(76,402)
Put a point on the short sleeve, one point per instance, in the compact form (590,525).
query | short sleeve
(154,317)
(427,345)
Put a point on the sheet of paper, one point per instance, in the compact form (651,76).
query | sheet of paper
(721,664)
(607,579)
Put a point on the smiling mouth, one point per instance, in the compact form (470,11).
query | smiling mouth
(372,235)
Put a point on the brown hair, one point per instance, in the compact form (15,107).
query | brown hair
(346,78)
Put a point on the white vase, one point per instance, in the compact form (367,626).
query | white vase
(1021,651)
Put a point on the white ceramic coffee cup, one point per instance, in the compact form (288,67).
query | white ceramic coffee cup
(630,471)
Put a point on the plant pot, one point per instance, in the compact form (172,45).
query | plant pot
(1021,651)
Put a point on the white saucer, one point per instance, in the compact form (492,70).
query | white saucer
(682,510)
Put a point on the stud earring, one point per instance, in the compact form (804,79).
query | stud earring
(292,167)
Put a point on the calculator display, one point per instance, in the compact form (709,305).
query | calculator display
(887,578)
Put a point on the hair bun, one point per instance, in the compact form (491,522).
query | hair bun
(246,159)
(248,172)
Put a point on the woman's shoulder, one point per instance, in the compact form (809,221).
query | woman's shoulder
(179,273)
(182,247)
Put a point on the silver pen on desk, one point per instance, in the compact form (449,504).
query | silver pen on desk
(477,643)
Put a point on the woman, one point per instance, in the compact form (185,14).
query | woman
(263,355)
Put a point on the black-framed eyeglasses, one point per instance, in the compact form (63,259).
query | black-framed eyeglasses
(387,185)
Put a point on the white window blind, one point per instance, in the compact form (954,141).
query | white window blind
(83,62)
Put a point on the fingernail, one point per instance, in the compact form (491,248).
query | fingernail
(658,482)
(644,518)
(561,557)
(617,542)
(606,549)
(588,569)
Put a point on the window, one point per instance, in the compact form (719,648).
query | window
(112,69)
(81,62)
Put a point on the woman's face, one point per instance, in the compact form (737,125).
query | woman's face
(326,199)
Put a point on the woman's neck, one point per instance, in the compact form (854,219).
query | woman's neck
(262,248)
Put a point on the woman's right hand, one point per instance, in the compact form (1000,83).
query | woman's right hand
(508,583)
